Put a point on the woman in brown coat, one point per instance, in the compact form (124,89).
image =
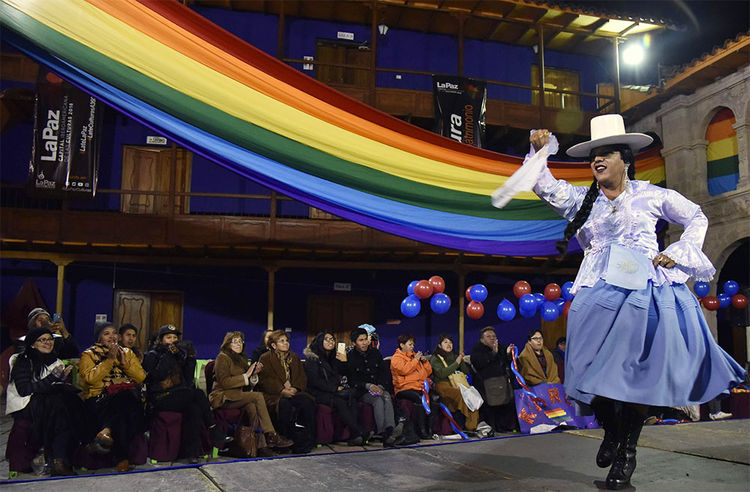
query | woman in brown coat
(537,363)
(233,387)
(283,382)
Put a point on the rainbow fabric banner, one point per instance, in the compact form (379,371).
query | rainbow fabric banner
(176,72)
(723,162)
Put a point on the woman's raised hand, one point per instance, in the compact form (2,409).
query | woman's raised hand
(539,139)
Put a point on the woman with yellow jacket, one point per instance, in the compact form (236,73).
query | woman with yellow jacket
(233,387)
(110,378)
(410,370)
(537,363)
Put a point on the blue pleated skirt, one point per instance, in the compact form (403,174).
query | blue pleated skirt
(650,346)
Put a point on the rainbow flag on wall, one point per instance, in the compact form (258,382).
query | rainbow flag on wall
(176,72)
(721,154)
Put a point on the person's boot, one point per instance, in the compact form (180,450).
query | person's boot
(624,463)
(61,469)
(218,437)
(274,440)
(605,411)
(123,466)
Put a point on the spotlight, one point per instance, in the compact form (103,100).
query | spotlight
(633,54)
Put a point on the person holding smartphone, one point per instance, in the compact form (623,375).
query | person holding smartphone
(327,382)
(234,382)
(64,344)
(410,369)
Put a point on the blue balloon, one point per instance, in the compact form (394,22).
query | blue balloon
(539,299)
(410,287)
(478,292)
(731,288)
(549,311)
(701,289)
(506,311)
(724,300)
(527,302)
(527,312)
(440,303)
(410,306)
(559,302)
(566,290)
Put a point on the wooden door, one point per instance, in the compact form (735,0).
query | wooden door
(148,311)
(339,314)
(150,169)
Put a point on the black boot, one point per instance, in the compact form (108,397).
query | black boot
(607,414)
(624,464)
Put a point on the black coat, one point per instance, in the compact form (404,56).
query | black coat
(488,364)
(166,371)
(366,368)
(324,376)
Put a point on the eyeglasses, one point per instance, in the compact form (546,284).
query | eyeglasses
(237,341)
(45,340)
(329,339)
(536,339)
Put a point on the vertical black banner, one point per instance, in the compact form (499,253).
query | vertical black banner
(65,153)
(460,105)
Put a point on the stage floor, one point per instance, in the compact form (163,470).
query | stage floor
(701,457)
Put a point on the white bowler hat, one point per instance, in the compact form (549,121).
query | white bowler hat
(609,129)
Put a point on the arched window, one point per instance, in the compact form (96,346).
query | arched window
(721,153)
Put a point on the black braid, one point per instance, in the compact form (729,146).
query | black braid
(588,201)
(580,218)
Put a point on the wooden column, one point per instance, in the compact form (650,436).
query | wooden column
(61,264)
(461,18)
(373,53)
(271,295)
(540,33)
(615,44)
(280,39)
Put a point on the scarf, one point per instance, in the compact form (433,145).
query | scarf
(285,359)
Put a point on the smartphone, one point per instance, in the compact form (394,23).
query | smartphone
(56,317)
(341,348)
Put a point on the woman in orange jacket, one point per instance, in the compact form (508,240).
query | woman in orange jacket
(410,370)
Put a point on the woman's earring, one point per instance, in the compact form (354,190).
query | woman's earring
(627,178)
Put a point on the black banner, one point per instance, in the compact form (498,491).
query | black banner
(460,108)
(65,153)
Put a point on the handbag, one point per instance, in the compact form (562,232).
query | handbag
(497,390)
(458,378)
(245,443)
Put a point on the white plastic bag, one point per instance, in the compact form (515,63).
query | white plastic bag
(471,397)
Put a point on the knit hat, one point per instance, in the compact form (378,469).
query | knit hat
(33,334)
(31,318)
(166,329)
(99,327)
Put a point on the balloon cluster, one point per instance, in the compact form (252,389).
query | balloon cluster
(422,289)
(728,296)
(552,303)
(475,294)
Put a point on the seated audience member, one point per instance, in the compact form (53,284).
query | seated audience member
(491,362)
(284,383)
(445,362)
(65,345)
(367,375)
(559,352)
(38,391)
(110,375)
(410,370)
(170,386)
(128,334)
(233,388)
(262,348)
(325,368)
(537,365)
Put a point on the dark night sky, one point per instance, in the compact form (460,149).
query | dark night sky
(704,25)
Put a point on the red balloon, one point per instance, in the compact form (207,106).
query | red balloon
(711,303)
(739,301)
(566,308)
(552,292)
(520,288)
(423,289)
(468,293)
(475,310)
(438,284)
